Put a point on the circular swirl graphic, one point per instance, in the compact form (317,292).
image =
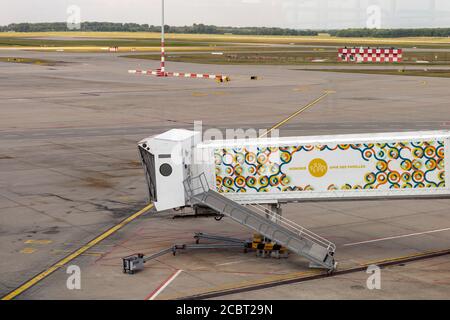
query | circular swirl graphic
(285,181)
(251,181)
(218,181)
(406,165)
(430,152)
(227,182)
(285,157)
(229,171)
(263,181)
(240,182)
(406,177)
(370,178)
(250,157)
(431,164)
(262,158)
(382,166)
(274,181)
(393,154)
(440,152)
(418,152)
(418,176)
(239,158)
(417,164)
(393,177)
(382,178)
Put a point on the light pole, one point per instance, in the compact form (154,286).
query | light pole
(161,71)
(163,55)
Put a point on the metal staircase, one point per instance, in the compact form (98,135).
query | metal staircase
(319,251)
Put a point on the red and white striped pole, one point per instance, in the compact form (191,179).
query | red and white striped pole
(163,51)
(161,72)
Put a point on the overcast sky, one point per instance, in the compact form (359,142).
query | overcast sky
(301,14)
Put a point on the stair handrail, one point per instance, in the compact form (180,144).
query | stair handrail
(189,182)
(258,209)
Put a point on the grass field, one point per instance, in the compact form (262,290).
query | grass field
(313,55)
(33,42)
(99,38)
(29,61)
(393,72)
(237,49)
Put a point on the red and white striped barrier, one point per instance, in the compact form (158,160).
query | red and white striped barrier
(147,72)
(378,55)
(159,73)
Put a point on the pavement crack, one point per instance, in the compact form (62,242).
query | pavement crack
(57,196)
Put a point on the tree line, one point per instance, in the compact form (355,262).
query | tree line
(211,29)
(392,33)
(134,27)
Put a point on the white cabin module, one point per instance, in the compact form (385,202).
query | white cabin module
(167,162)
(271,170)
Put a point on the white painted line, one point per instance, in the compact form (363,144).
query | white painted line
(396,237)
(164,285)
(230,263)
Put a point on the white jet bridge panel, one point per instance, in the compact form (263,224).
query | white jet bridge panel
(327,167)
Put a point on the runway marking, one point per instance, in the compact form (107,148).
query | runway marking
(403,258)
(249,283)
(163,285)
(27,250)
(301,89)
(309,105)
(31,241)
(92,254)
(298,277)
(199,94)
(230,263)
(41,276)
(396,237)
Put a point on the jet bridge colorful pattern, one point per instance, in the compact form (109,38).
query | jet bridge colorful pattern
(377,166)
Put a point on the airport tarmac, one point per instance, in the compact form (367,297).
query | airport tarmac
(69,170)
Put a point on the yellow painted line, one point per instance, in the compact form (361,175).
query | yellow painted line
(301,88)
(219,93)
(402,258)
(92,254)
(299,275)
(31,241)
(303,109)
(249,283)
(27,250)
(74,255)
(199,94)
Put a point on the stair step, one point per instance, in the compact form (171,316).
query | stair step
(316,249)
